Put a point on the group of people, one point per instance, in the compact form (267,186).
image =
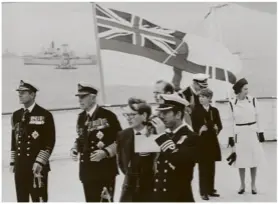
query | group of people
(184,127)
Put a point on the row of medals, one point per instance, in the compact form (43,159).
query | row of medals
(97,124)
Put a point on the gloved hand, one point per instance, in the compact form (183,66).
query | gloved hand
(98,155)
(158,124)
(231,141)
(74,154)
(37,168)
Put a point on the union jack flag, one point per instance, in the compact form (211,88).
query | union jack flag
(128,33)
(132,34)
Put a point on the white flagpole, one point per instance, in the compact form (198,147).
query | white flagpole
(103,96)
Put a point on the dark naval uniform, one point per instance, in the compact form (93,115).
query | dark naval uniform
(33,139)
(97,132)
(191,97)
(32,142)
(174,166)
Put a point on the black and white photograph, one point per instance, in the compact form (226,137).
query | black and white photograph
(139,101)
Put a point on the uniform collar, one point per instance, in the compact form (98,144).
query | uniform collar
(178,128)
(30,108)
(247,98)
(91,112)
(193,90)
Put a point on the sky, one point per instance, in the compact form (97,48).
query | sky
(268,7)
(27,27)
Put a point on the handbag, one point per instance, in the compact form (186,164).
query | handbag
(232,158)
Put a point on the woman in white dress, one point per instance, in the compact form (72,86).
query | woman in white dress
(248,134)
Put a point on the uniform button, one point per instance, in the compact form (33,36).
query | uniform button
(166,161)
(19,136)
(156,180)
(28,142)
(18,154)
(28,148)
(92,142)
(164,189)
(28,155)
(19,142)
(18,148)
(29,136)
(156,171)
(157,162)
(82,160)
(81,154)
(154,190)
(165,171)
(92,147)
(164,180)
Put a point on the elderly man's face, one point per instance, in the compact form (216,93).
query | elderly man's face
(158,90)
(25,96)
(87,101)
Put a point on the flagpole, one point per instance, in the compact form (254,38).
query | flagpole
(103,96)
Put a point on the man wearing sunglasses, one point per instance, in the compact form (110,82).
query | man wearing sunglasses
(97,129)
(137,167)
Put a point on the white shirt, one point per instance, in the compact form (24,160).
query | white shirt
(91,112)
(206,108)
(30,108)
(142,132)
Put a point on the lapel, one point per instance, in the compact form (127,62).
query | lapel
(35,110)
(127,147)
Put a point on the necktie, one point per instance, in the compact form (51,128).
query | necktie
(25,116)
(87,119)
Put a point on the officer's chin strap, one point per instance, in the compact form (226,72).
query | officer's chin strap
(105,195)
(39,186)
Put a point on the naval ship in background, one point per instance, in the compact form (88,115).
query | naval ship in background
(60,57)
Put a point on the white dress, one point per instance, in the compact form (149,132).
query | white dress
(247,146)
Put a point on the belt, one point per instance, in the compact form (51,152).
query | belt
(246,124)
